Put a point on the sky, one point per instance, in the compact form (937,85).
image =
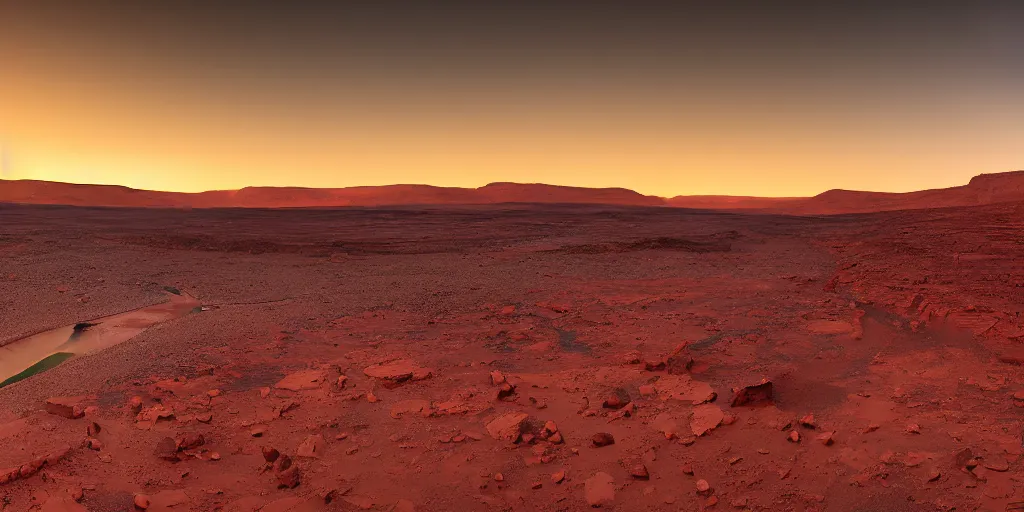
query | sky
(780,98)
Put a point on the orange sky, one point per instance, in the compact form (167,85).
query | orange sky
(766,118)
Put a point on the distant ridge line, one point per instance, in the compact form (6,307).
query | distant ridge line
(982,189)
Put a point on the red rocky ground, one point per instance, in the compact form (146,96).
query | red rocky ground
(519,358)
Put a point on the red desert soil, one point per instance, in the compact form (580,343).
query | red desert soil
(519,357)
(982,189)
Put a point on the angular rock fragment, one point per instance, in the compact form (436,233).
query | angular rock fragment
(508,426)
(750,395)
(66,407)
(679,361)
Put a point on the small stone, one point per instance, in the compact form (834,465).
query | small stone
(711,501)
(497,378)
(142,501)
(213,393)
(963,457)
(763,451)
(288,478)
(214,456)
(871,428)
(270,454)
(631,357)
(688,440)
(735,460)
(913,428)
(654,366)
(189,440)
(282,463)
(602,439)
(498,477)
(372,398)
(826,438)
(341,436)
(341,381)
(312,446)
(640,472)
(549,428)
(687,469)
(258,431)
(505,392)
(626,411)
(808,421)
(135,404)
(93,429)
(616,401)
(739,503)
(558,477)
(204,417)
(556,438)
(934,475)
(94,444)
(703,487)
(264,392)
(167,449)
(794,436)
(536,485)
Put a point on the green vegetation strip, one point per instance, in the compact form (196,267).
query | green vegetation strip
(47,363)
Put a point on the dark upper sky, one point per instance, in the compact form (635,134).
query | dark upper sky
(742,97)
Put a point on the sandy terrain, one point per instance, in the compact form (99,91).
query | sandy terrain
(518,358)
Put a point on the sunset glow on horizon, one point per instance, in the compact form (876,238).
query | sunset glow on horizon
(192,97)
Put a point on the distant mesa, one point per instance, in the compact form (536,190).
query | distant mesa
(982,189)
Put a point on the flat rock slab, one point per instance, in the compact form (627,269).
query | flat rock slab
(302,380)
(683,388)
(398,371)
(829,327)
(599,489)
(706,418)
(409,407)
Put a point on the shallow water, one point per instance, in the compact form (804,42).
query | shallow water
(85,338)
